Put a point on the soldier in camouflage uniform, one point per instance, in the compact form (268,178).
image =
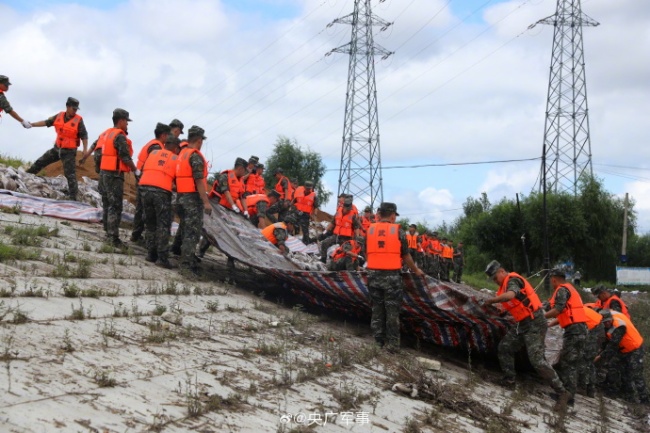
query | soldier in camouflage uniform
(459,262)
(278,232)
(157,203)
(346,257)
(113,178)
(176,128)
(386,248)
(192,205)
(65,149)
(6,106)
(274,208)
(566,306)
(624,352)
(593,343)
(520,299)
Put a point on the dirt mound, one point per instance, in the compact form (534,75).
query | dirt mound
(88,170)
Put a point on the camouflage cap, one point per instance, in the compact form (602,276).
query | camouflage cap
(290,219)
(278,170)
(387,207)
(492,268)
(5,80)
(309,184)
(176,124)
(260,165)
(273,193)
(413,225)
(240,162)
(293,180)
(253,159)
(72,102)
(161,128)
(598,290)
(120,113)
(607,315)
(196,131)
(557,272)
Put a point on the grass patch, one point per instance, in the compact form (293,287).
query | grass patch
(11,161)
(10,252)
(30,236)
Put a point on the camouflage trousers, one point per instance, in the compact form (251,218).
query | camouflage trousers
(593,343)
(573,345)
(433,265)
(303,223)
(102,193)
(529,333)
(346,263)
(328,242)
(113,186)
(627,369)
(138,217)
(157,204)
(67,158)
(386,293)
(458,271)
(190,210)
(97,157)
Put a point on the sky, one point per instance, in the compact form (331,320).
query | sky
(468,82)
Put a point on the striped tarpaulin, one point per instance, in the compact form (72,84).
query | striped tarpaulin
(442,313)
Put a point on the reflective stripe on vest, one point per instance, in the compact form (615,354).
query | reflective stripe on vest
(67,133)
(593,318)
(383,247)
(574,311)
(412,240)
(304,203)
(525,302)
(252,200)
(145,151)
(344,224)
(159,170)
(632,340)
(184,178)
(110,159)
(268,231)
(284,195)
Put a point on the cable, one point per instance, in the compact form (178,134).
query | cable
(448,164)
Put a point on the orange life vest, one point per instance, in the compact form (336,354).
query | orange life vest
(605,305)
(340,252)
(251,184)
(235,187)
(632,340)
(284,195)
(344,224)
(268,231)
(434,247)
(365,223)
(304,203)
(574,311)
(110,159)
(144,152)
(424,243)
(412,240)
(383,247)
(447,252)
(67,133)
(159,169)
(183,144)
(184,179)
(593,318)
(252,200)
(525,302)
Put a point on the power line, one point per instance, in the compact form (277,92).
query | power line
(449,164)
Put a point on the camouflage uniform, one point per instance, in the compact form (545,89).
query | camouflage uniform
(190,209)
(272,211)
(138,217)
(67,157)
(345,263)
(386,291)
(625,369)
(113,187)
(573,345)
(587,372)
(157,220)
(459,263)
(529,333)
(337,239)
(4,104)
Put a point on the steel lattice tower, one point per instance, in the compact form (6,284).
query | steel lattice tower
(567,144)
(360,170)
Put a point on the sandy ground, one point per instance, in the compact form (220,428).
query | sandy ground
(223,358)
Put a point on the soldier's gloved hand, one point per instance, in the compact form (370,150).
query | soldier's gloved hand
(82,161)
(481,303)
(245,213)
(138,173)
(26,124)
(236,209)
